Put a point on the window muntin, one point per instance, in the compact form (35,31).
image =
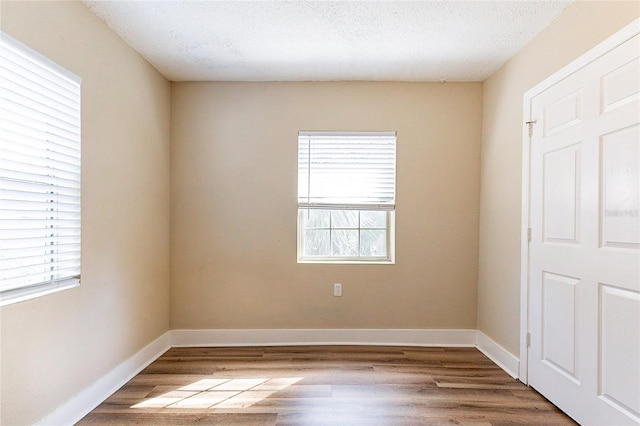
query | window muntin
(346,197)
(39,174)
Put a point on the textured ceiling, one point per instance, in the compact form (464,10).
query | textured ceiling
(327,40)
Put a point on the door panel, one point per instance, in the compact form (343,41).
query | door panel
(563,113)
(620,188)
(620,86)
(561,201)
(559,321)
(620,365)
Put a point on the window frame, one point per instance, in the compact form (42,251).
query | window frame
(388,209)
(71,279)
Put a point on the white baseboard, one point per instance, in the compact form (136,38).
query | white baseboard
(287,337)
(80,405)
(388,337)
(496,353)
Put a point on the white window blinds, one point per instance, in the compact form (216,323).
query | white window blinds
(39,171)
(347,170)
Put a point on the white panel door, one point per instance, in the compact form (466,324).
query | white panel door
(584,254)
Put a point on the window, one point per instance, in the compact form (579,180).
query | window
(346,197)
(39,174)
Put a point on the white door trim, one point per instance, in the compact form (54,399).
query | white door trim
(609,44)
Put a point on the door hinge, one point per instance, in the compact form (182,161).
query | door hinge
(529,234)
(530,126)
(528,340)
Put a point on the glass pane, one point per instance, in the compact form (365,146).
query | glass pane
(373,243)
(373,219)
(316,218)
(344,243)
(316,243)
(344,219)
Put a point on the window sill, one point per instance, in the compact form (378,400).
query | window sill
(31,292)
(347,262)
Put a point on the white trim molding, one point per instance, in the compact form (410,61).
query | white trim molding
(289,337)
(499,355)
(80,405)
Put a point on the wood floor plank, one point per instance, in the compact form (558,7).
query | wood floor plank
(325,385)
(180,419)
(243,352)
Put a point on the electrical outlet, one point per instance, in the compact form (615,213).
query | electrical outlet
(337,289)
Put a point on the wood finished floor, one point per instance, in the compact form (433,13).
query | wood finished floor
(325,385)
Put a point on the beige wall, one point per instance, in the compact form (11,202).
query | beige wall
(233,218)
(579,28)
(54,346)
(233,204)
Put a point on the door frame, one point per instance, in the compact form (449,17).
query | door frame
(626,33)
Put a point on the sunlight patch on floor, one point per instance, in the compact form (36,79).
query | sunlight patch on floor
(220,393)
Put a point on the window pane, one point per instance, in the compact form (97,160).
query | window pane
(373,243)
(344,219)
(373,219)
(316,243)
(344,243)
(316,218)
